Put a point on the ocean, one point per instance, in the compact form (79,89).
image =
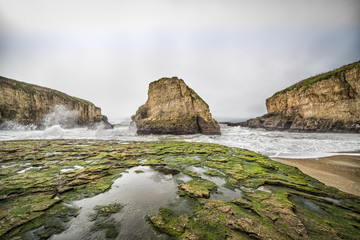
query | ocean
(272,143)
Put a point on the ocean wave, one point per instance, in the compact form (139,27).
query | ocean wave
(14,126)
(61,116)
(271,143)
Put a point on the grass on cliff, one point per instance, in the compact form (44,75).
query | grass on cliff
(311,80)
(32,89)
(198,97)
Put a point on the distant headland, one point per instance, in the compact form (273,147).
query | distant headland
(30,104)
(328,102)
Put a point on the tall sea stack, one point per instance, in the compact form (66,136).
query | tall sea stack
(329,102)
(174,108)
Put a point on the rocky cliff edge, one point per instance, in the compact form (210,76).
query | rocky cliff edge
(174,108)
(29,104)
(328,102)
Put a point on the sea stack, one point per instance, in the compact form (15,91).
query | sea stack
(27,103)
(328,102)
(174,108)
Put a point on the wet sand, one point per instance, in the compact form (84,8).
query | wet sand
(340,171)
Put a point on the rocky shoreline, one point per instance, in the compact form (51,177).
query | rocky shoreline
(29,104)
(279,122)
(329,102)
(270,199)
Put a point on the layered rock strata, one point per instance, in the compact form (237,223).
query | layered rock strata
(29,104)
(174,108)
(327,102)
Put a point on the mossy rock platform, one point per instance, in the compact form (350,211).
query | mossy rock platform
(277,201)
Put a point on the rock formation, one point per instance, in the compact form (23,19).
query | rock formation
(174,108)
(269,200)
(29,104)
(326,102)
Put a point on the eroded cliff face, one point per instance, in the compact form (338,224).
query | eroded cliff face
(174,108)
(29,104)
(329,104)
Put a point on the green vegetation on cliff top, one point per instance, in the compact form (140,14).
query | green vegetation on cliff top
(311,80)
(32,89)
(277,201)
(198,97)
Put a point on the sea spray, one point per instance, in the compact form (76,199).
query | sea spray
(271,143)
(53,131)
(61,116)
(15,126)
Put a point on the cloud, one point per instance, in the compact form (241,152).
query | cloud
(235,54)
(139,15)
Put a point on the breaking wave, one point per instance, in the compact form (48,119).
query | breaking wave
(61,116)
(271,143)
(62,124)
(14,126)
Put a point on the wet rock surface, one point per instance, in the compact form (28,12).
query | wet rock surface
(40,178)
(174,108)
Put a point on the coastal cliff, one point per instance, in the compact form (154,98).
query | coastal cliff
(328,102)
(174,108)
(29,104)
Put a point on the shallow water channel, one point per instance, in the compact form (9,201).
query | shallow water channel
(222,192)
(141,191)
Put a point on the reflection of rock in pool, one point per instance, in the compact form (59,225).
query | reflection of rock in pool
(166,171)
(306,203)
(140,194)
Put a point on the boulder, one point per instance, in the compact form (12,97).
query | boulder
(174,108)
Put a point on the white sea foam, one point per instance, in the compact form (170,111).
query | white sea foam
(76,167)
(14,126)
(26,169)
(55,130)
(271,143)
(60,116)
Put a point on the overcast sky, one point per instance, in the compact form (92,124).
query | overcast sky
(233,53)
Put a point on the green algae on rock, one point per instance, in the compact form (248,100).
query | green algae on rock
(103,220)
(108,209)
(198,188)
(277,201)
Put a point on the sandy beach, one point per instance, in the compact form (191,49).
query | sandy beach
(339,171)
